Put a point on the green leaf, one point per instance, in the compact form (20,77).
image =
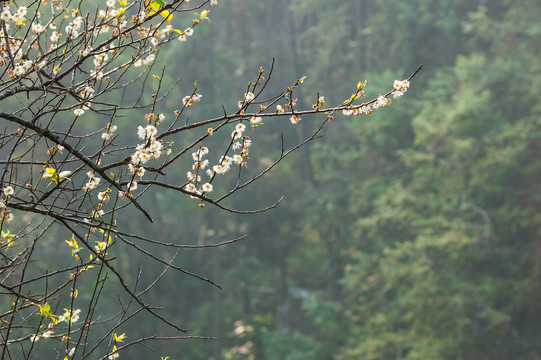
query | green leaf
(45,310)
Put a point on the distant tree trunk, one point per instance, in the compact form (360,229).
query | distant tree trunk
(358,24)
(282,296)
(247,309)
(294,68)
(217,306)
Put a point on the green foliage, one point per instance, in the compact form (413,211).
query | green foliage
(296,346)
(432,203)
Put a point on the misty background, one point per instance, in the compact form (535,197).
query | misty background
(412,233)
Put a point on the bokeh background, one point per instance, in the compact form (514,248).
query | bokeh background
(412,233)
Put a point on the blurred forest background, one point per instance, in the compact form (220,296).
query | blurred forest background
(413,233)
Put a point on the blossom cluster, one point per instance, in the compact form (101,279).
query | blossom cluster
(195,184)
(190,100)
(73,28)
(17,17)
(109,133)
(151,148)
(146,61)
(93,181)
(185,35)
(399,86)
(71,316)
(46,34)
(44,335)
(37,41)
(5,214)
(13,54)
(240,144)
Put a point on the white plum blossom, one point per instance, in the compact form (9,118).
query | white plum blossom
(136,170)
(400,87)
(132,185)
(236,134)
(99,60)
(37,28)
(6,216)
(221,169)
(240,127)
(19,70)
(87,92)
(382,101)
(256,121)
(104,195)
(8,191)
(110,132)
(193,177)
(237,159)
(55,36)
(6,15)
(200,164)
(190,188)
(147,132)
(190,100)
(397,94)
(149,59)
(249,96)
(207,187)
(295,119)
(160,118)
(70,315)
(92,183)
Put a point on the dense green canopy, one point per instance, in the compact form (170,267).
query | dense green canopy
(410,234)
